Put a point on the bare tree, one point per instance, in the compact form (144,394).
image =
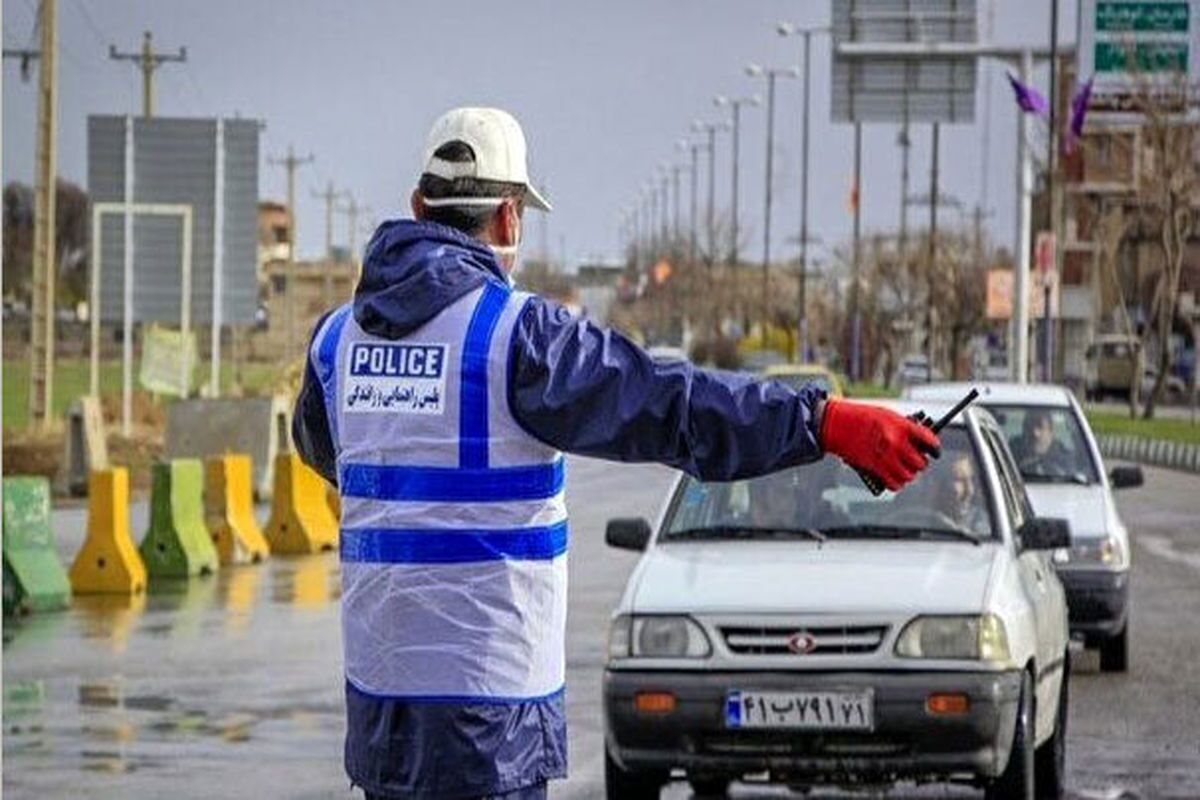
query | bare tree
(1168,203)
(1111,229)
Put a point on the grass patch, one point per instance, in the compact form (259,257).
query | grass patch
(72,378)
(1119,424)
(863,389)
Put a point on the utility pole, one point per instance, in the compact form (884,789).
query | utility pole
(290,162)
(148,61)
(352,209)
(41,373)
(330,196)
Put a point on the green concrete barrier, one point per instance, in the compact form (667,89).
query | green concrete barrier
(178,544)
(34,580)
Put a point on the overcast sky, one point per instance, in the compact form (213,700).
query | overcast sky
(604,90)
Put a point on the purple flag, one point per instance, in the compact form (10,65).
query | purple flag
(1028,98)
(1079,107)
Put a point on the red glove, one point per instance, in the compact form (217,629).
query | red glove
(877,441)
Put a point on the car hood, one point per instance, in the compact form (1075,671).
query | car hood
(838,577)
(1085,507)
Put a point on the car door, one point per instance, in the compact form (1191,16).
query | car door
(1042,587)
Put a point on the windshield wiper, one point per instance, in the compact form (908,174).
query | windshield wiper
(746,532)
(900,531)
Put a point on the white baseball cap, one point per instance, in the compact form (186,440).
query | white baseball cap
(499,146)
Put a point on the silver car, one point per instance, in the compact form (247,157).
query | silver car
(798,629)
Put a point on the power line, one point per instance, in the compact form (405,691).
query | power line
(91,23)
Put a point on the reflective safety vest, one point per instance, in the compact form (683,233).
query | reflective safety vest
(454,526)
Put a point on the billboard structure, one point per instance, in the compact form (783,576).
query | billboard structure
(1124,42)
(174,227)
(888,87)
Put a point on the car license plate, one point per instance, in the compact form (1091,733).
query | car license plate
(803,710)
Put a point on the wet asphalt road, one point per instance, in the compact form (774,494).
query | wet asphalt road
(231,687)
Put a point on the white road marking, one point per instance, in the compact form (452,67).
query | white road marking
(1164,548)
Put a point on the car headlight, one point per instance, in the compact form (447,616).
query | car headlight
(1103,552)
(657,637)
(978,638)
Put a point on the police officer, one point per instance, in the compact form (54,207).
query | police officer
(440,401)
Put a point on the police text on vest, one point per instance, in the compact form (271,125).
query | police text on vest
(397,378)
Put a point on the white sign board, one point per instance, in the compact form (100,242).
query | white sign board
(1127,42)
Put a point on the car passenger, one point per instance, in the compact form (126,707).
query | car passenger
(781,500)
(1038,450)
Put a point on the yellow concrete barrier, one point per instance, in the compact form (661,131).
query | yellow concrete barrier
(229,510)
(335,501)
(108,562)
(301,521)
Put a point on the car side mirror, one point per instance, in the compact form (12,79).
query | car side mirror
(1045,533)
(628,533)
(1126,477)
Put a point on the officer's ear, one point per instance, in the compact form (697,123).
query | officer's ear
(507,223)
(418,204)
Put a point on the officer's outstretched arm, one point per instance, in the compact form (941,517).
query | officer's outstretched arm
(586,389)
(589,390)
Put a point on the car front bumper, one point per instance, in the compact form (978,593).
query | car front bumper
(1097,601)
(907,741)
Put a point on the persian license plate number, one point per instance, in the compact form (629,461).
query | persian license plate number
(801,710)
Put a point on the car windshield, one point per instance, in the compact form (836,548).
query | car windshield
(1047,443)
(826,499)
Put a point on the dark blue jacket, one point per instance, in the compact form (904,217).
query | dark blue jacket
(578,387)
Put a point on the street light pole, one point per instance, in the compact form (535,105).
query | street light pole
(787,29)
(755,71)
(711,129)
(735,104)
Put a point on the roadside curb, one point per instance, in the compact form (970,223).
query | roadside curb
(1157,452)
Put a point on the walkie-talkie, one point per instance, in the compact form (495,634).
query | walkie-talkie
(874,483)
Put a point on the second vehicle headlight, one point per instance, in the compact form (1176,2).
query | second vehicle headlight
(1103,552)
(981,638)
(657,637)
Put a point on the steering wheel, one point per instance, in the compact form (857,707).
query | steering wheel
(925,518)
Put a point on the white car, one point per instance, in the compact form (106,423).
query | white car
(1067,479)
(798,629)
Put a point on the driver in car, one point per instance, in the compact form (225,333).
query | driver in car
(959,495)
(1038,450)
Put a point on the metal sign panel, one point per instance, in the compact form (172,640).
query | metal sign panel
(935,88)
(175,162)
(1127,42)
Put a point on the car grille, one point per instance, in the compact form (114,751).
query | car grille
(782,640)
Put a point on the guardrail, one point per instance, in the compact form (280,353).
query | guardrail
(1180,456)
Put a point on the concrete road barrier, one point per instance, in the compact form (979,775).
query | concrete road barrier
(34,580)
(108,562)
(178,543)
(301,520)
(260,427)
(229,510)
(1182,456)
(85,446)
